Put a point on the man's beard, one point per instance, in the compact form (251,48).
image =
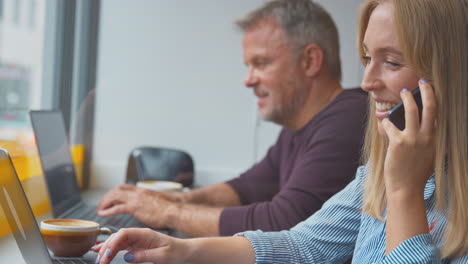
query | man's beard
(287,112)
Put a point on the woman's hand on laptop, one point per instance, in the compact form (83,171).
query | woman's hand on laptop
(143,245)
(150,207)
(146,245)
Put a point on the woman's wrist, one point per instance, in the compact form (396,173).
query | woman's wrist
(227,250)
(404,194)
(192,249)
(186,250)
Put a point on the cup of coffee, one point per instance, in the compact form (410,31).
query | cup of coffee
(70,237)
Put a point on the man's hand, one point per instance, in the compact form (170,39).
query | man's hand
(168,210)
(150,207)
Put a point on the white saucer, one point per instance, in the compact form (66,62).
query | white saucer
(160,186)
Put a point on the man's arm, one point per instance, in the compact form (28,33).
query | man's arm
(155,211)
(194,220)
(219,194)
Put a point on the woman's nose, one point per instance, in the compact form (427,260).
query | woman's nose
(370,80)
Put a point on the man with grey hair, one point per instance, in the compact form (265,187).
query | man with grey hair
(291,51)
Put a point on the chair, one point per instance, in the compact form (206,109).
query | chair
(164,164)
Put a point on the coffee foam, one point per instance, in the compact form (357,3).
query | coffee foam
(70,222)
(69,225)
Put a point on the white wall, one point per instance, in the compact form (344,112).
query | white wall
(170,73)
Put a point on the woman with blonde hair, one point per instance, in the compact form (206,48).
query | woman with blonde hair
(408,203)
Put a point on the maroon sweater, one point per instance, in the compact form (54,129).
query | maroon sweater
(301,170)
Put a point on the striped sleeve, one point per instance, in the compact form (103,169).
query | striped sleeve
(418,249)
(327,236)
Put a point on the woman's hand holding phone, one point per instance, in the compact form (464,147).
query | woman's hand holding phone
(410,154)
(408,165)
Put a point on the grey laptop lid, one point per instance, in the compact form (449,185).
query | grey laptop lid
(54,151)
(19,214)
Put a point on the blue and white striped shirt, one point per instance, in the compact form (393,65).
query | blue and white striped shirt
(340,230)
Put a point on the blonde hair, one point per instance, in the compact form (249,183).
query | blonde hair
(433,37)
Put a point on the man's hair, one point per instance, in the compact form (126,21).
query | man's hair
(304,22)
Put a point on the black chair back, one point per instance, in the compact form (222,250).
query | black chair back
(164,164)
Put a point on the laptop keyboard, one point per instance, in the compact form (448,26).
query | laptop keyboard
(121,220)
(114,222)
(73,261)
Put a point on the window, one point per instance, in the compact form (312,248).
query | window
(41,67)
(21,72)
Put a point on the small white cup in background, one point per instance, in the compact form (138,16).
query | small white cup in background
(160,186)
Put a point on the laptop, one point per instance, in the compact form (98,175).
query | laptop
(22,221)
(60,176)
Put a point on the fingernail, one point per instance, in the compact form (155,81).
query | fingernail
(404,90)
(422,80)
(107,253)
(129,257)
(97,259)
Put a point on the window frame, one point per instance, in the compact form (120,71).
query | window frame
(70,65)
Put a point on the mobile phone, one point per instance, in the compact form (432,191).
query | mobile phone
(397,114)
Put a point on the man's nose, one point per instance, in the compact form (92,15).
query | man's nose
(251,80)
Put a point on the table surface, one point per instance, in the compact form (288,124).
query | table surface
(10,252)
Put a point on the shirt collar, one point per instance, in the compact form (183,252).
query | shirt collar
(430,187)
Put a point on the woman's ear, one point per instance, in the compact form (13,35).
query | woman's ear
(312,60)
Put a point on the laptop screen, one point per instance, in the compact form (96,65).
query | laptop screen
(19,215)
(54,152)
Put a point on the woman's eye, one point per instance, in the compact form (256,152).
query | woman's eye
(393,64)
(366,60)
